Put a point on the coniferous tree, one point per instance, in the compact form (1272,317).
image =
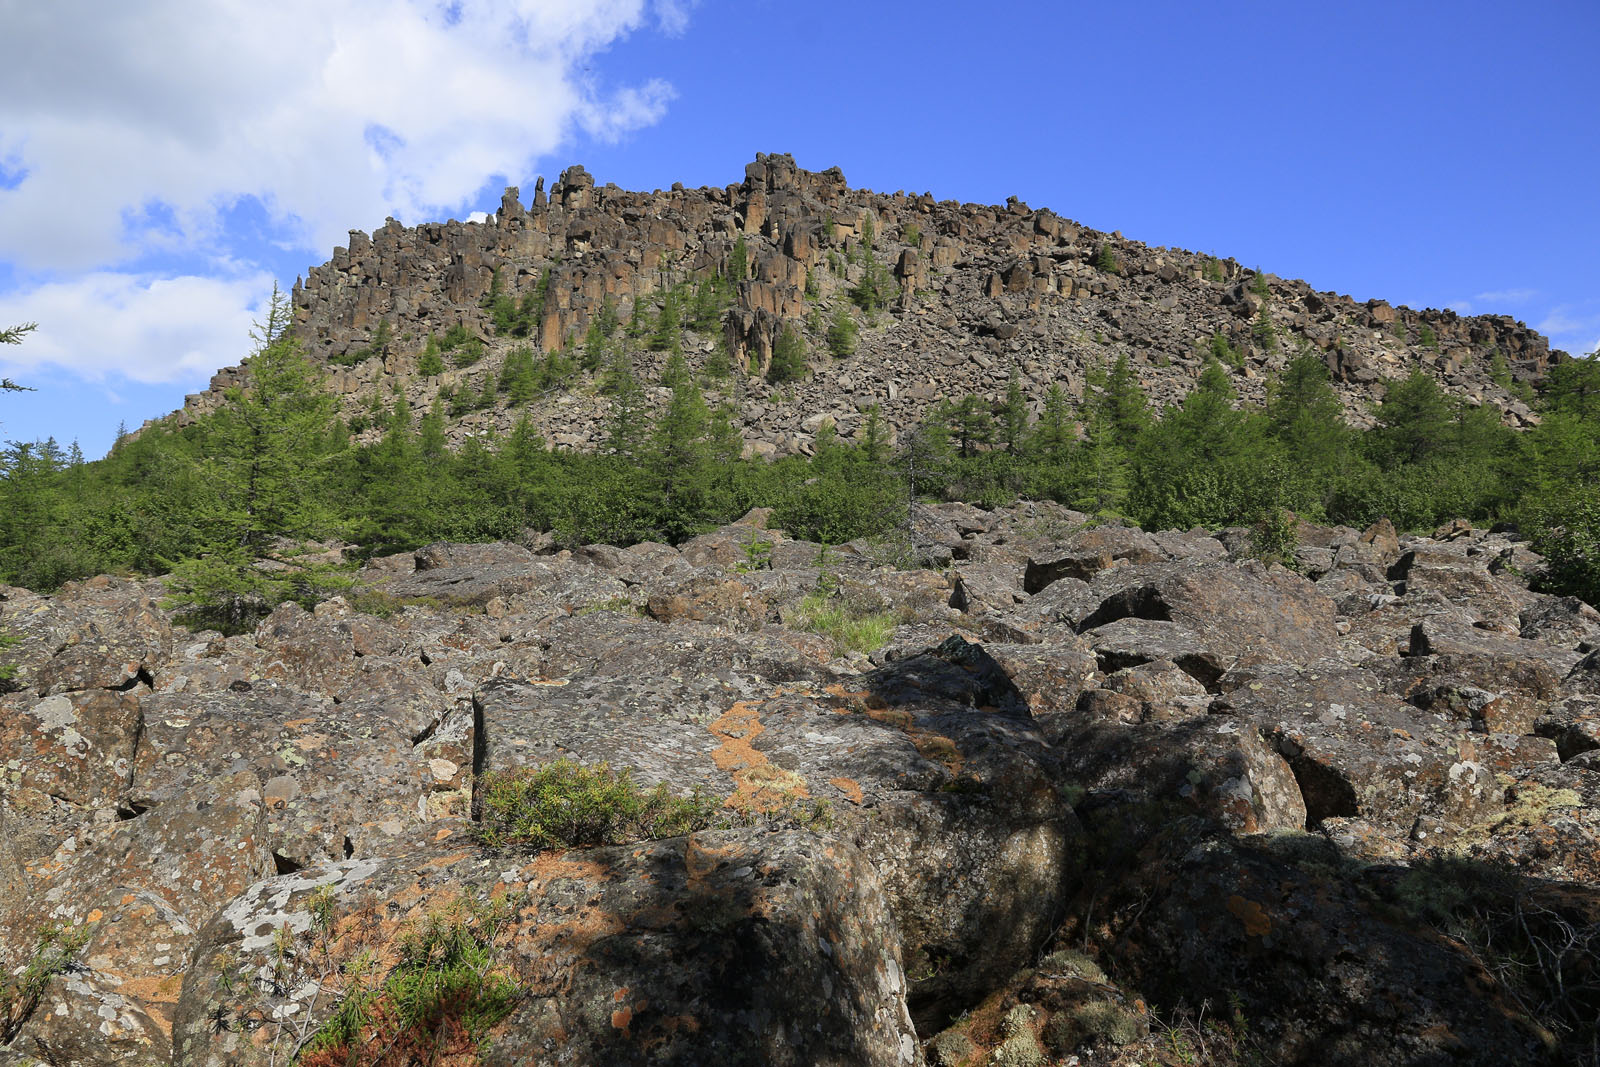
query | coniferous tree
(842,333)
(13,335)
(1014,415)
(971,423)
(874,437)
(1056,432)
(264,458)
(788,357)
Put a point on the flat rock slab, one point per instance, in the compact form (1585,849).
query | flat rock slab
(932,765)
(1317,970)
(336,780)
(722,947)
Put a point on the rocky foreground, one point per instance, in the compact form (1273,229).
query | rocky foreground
(1104,794)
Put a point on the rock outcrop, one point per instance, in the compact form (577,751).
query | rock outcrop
(973,294)
(1095,779)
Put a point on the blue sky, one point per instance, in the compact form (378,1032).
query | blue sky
(162,163)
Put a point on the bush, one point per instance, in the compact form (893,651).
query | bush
(1567,534)
(1105,261)
(567,805)
(1275,537)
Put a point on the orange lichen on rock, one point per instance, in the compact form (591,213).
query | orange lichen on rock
(849,787)
(758,785)
(1248,912)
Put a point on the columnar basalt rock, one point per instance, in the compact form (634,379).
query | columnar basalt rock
(974,293)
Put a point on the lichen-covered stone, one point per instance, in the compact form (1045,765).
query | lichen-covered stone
(723,947)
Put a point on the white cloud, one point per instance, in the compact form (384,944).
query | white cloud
(1460,307)
(1573,327)
(1507,296)
(106,325)
(137,125)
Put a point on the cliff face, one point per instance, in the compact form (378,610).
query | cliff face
(1088,780)
(976,292)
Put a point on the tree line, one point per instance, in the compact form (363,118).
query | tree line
(275,469)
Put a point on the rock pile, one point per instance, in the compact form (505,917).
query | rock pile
(975,293)
(1094,780)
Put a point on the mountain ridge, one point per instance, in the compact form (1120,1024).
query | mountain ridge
(973,294)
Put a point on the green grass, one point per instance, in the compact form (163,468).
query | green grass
(567,805)
(846,629)
(441,999)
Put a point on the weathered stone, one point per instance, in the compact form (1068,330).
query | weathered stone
(1089,552)
(78,747)
(615,948)
(931,765)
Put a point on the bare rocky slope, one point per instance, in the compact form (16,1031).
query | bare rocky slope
(1121,796)
(976,293)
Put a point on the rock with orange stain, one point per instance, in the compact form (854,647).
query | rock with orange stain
(933,764)
(101,633)
(77,747)
(728,944)
(144,888)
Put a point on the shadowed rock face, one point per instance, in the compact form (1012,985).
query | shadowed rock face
(973,292)
(1222,781)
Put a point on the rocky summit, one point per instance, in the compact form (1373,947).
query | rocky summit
(962,298)
(1044,791)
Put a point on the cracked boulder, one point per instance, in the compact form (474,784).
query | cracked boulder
(932,766)
(721,947)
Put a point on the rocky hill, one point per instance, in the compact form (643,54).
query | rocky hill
(1055,792)
(973,294)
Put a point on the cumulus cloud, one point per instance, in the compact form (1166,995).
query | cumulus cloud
(131,127)
(107,326)
(1573,327)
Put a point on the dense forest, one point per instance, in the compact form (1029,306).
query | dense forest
(276,470)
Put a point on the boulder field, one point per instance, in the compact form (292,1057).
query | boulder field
(1097,796)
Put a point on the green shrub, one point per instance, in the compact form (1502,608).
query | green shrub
(1427,338)
(1105,261)
(1275,537)
(567,805)
(54,952)
(447,986)
(1567,533)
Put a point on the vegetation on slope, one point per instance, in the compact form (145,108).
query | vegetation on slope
(275,469)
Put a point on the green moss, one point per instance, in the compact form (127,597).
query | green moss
(1021,1047)
(1077,964)
(1108,1021)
